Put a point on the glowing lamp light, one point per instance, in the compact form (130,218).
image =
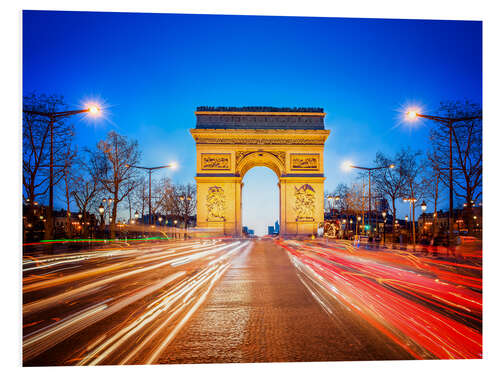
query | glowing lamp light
(423,206)
(94,110)
(346,166)
(411,114)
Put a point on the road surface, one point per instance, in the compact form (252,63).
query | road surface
(209,301)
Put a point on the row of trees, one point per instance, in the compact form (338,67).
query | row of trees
(83,177)
(422,176)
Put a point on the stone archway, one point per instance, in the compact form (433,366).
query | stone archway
(231,141)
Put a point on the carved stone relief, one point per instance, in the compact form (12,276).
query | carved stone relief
(216,204)
(305,202)
(302,162)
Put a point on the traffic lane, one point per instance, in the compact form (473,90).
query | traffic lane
(464,272)
(118,311)
(429,317)
(262,312)
(49,274)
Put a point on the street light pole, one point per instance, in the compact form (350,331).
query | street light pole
(423,207)
(383,215)
(370,169)
(449,122)
(150,171)
(53,116)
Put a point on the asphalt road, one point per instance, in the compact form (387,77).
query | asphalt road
(247,301)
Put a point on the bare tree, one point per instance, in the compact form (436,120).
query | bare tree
(342,191)
(432,181)
(159,191)
(466,149)
(36,148)
(389,182)
(356,200)
(180,201)
(69,156)
(414,190)
(85,189)
(111,165)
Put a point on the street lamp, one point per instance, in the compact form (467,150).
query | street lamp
(370,169)
(423,206)
(413,115)
(384,214)
(107,202)
(150,171)
(186,198)
(53,117)
(101,211)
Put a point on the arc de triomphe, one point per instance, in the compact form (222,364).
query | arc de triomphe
(230,141)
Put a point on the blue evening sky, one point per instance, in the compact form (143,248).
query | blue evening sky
(153,70)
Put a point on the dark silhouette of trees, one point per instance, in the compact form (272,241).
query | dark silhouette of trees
(389,182)
(467,152)
(110,164)
(36,149)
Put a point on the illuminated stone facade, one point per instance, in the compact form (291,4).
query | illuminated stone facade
(231,142)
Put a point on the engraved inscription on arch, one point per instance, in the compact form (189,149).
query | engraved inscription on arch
(217,162)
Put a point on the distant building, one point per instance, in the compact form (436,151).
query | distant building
(270,230)
(245,230)
(458,218)
(276,227)
(251,232)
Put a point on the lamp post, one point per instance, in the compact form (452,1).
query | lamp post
(53,117)
(150,171)
(101,212)
(423,206)
(448,122)
(330,199)
(107,202)
(80,215)
(384,214)
(185,201)
(412,201)
(370,169)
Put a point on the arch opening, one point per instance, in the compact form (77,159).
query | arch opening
(260,200)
